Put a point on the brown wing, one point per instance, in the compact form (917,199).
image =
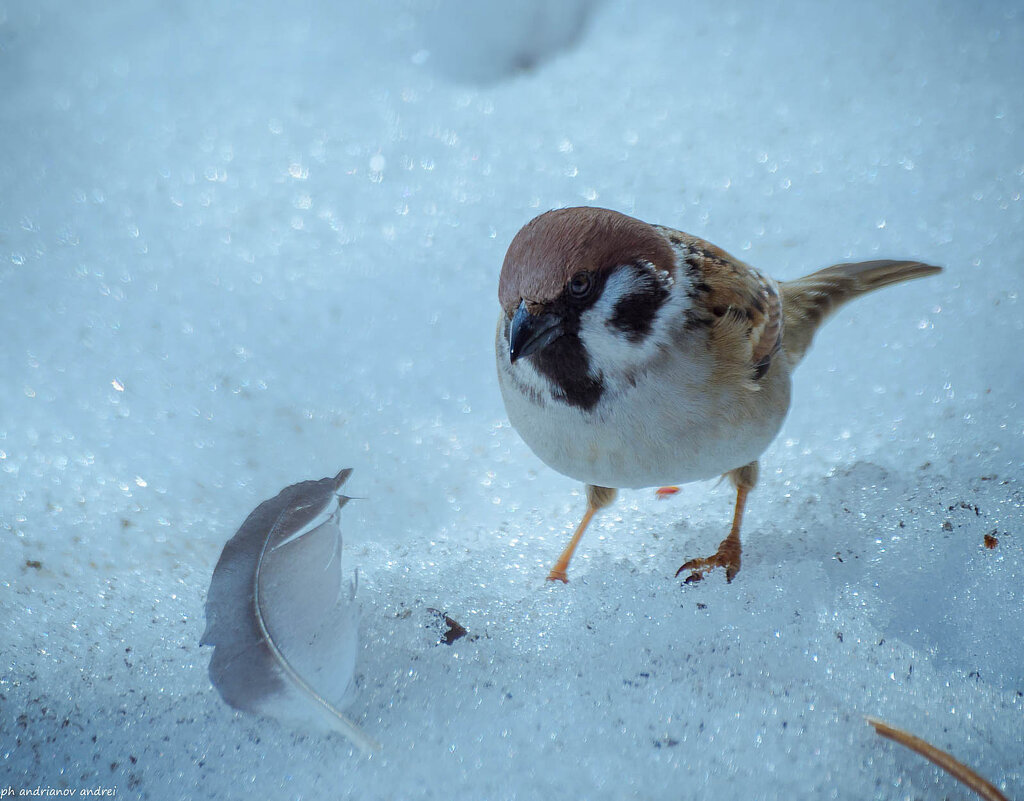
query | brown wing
(741,307)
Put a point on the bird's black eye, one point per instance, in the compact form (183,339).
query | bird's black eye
(581,285)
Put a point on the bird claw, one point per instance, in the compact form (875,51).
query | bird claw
(665,492)
(558,575)
(727,556)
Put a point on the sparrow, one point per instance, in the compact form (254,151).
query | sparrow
(634,355)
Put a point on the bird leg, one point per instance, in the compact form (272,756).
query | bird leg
(728,553)
(597,499)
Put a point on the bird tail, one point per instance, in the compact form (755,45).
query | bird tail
(807,302)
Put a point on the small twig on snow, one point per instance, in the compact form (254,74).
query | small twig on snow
(953,767)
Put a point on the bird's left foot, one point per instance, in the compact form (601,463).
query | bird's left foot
(727,556)
(665,492)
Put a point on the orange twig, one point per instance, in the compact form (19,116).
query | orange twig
(953,767)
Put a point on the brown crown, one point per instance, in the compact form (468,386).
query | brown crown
(553,247)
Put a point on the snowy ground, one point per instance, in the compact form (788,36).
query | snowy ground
(244,246)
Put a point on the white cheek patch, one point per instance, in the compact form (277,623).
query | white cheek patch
(608,347)
(611,350)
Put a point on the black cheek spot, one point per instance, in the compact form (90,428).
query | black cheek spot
(634,314)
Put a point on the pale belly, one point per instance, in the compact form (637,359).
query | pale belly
(691,435)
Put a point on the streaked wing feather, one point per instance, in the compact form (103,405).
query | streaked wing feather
(744,309)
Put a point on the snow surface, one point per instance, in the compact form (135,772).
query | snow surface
(245,245)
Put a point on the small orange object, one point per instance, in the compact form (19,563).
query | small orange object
(990,541)
(664,492)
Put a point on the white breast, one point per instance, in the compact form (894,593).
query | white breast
(667,425)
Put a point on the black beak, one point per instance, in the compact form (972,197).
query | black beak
(531,332)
